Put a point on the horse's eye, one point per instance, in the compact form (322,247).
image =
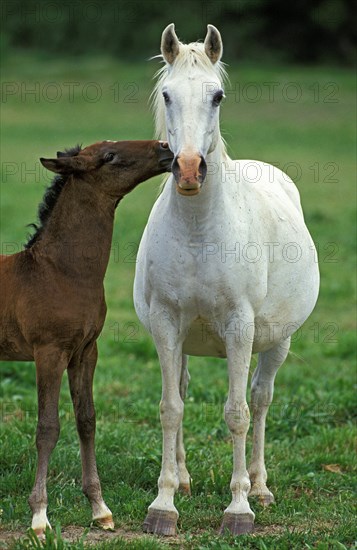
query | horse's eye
(109,157)
(217,98)
(166,97)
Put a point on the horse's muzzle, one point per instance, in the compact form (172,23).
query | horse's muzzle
(189,172)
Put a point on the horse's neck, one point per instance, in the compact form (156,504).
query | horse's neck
(77,236)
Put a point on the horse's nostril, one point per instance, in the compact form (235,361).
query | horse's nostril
(175,169)
(202,170)
(164,145)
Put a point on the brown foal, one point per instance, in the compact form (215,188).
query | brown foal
(52,307)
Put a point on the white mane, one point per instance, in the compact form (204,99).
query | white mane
(190,55)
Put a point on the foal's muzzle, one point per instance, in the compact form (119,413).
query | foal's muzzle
(165,156)
(189,172)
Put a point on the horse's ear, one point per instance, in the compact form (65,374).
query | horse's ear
(62,165)
(213,44)
(170,44)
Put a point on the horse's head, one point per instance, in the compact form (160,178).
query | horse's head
(191,90)
(115,167)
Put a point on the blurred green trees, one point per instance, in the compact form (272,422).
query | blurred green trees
(303,31)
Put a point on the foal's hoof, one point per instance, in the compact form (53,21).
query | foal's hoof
(160,522)
(237,524)
(185,489)
(106,523)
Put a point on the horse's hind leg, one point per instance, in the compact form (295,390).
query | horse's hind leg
(184,476)
(50,365)
(80,376)
(261,398)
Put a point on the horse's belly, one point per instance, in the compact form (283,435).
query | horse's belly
(207,338)
(281,314)
(13,346)
(14,356)
(10,350)
(204,340)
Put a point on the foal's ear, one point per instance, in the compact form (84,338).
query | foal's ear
(170,44)
(63,165)
(213,44)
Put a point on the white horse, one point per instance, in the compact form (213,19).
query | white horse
(226,267)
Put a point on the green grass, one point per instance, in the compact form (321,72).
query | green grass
(311,420)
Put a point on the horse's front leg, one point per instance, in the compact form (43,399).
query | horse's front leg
(238,517)
(162,515)
(80,377)
(184,476)
(50,365)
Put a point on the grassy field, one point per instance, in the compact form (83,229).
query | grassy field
(301,119)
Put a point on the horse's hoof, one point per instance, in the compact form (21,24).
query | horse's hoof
(262,494)
(266,500)
(263,499)
(185,489)
(160,522)
(40,533)
(237,524)
(106,523)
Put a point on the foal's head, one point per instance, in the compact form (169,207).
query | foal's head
(187,99)
(114,167)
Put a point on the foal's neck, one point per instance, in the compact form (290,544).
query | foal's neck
(77,237)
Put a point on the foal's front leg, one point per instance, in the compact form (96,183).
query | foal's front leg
(162,515)
(50,365)
(80,376)
(238,517)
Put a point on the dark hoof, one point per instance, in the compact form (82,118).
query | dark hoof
(160,522)
(237,524)
(185,489)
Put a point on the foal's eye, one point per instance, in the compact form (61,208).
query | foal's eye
(217,98)
(109,157)
(166,97)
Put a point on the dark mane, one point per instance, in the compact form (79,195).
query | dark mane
(50,198)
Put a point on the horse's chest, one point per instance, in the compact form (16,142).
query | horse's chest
(204,274)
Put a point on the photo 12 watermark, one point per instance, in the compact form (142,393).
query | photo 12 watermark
(69,92)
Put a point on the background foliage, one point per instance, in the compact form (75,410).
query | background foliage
(301,31)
